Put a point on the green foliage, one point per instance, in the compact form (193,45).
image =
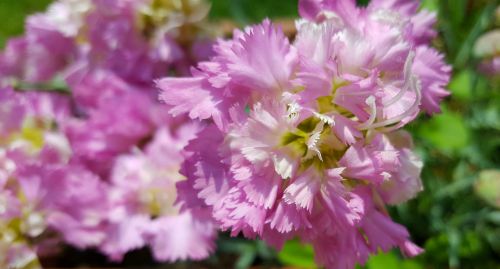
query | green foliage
(487,188)
(302,256)
(252,11)
(247,252)
(296,254)
(447,132)
(13,12)
(391,260)
(455,218)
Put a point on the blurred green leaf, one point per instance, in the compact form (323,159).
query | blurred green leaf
(482,23)
(13,13)
(472,245)
(252,11)
(460,85)
(245,260)
(446,131)
(384,260)
(391,260)
(494,239)
(494,217)
(488,187)
(436,248)
(454,239)
(296,254)
(363,2)
(432,5)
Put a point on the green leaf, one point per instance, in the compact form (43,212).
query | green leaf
(437,248)
(472,245)
(296,254)
(460,85)
(384,261)
(246,259)
(455,240)
(13,14)
(391,260)
(251,11)
(363,2)
(493,237)
(446,132)
(411,264)
(431,5)
(487,187)
(494,217)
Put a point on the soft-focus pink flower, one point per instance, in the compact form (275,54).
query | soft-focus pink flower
(142,196)
(487,48)
(40,193)
(96,164)
(37,56)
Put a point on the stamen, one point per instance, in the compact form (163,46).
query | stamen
(408,112)
(312,142)
(407,80)
(325,119)
(370,101)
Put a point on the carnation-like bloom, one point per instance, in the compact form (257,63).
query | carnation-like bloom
(95,165)
(137,40)
(43,199)
(306,138)
(142,196)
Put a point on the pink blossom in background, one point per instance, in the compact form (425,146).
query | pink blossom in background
(487,48)
(41,193)
(142,195)
(94,163)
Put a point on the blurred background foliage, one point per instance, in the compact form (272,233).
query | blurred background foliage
(457,218)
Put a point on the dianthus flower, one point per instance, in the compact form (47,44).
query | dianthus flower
(306,140)
(142,196)
(137,40)
(43,199)
(101,132)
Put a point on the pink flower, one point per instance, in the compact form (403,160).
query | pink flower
(39,191)
(269,187)
(305,145)
(143,211)
(404,183)
(73,164)
(41,44)
(434,75)
(113,129)
(393,23)
(236,72)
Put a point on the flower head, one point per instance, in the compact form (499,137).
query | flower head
(306,140)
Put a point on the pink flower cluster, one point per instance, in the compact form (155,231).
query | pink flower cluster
(303,139)
(88,156)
